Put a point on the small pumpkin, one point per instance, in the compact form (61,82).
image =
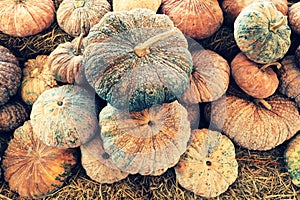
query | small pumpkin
(257,81)
(209,79)
(12,115)
(292,159)
(98,164)
(208,167)
(33,169)
(125,5)
(66,62)
(36,79)
(24,18)
(289,77)
(262,32)
(198,19)
(78,16)
(252,123)
(136,59)
(10,75)
(232,8)
(64,116)
(293,16)
(146,142)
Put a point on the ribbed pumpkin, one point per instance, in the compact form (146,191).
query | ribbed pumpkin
(146,142)
(123,5)
(208,166)
(10,75)
(98,164)
(232,8)
(78,16)
(64,116)
(258,81)
(12,115)
(209,79)
(292,159)
(36,79)
(66,63)
(294,17)
(33,169)
(25,17)
(262,32)
(197,19)
(255,124)
(136,59)
(289,77)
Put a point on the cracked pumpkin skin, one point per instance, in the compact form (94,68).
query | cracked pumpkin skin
(22,18)
(33,169)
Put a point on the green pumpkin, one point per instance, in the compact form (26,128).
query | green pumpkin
(136,59)
(262,32)
(292,160)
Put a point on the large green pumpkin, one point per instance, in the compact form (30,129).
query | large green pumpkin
(262,32)
(136,59)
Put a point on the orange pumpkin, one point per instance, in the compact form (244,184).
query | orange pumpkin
(23,18)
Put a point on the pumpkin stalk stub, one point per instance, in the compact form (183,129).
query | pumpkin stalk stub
(79,4)
(143,49)
(266,66)
(264,103)
(79,44)
(275,26)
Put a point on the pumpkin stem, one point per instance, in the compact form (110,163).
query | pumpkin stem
(79,3)
(264,103)
(266,66)
(143,49)
(275,26)
(79,44)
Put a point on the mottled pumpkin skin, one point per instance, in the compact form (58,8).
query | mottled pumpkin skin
(127,80)
(12,115)
(293,16)
(251,125)
(66,63)
(25,17)
(146,142)
(209,79)
(33,169)
(197,19)
(64,116)
(10,75)
(232,8)
(252,79)
(289,77)
(78,16)
(262,32)
(123,5)
(208,166)
(36,79)
(98,164)
(292,159)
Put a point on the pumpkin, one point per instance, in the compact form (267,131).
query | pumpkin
(197,19)
(23,18)
(255,80)
(125,5)
(66,63)
(98,164)
(232,8)
(135,59)
(12,115)
(292,159)
(209,79)
(208,166)
(10,75)
(255,124)
(78,16)
(146,142)
(293,16)
(262,32)
(36,79)
(33,169)
(64,116)
(289,77)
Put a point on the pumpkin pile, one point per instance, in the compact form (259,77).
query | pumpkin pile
(166,102)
